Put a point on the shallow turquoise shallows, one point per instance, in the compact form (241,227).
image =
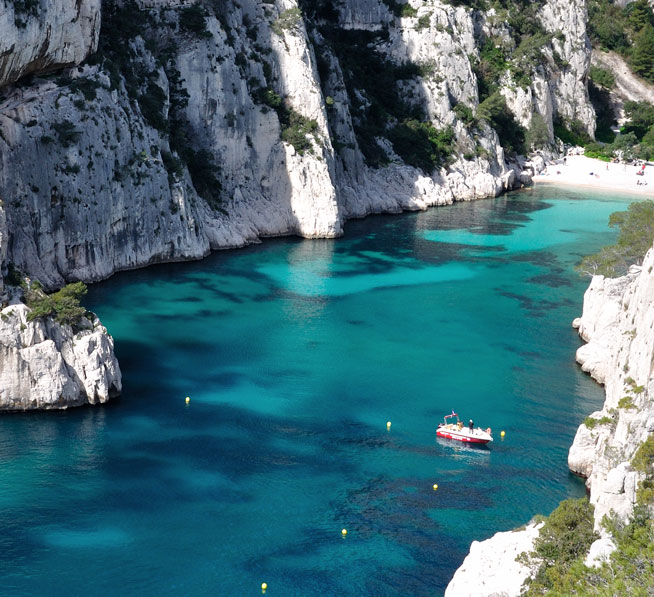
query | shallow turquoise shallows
(295,354)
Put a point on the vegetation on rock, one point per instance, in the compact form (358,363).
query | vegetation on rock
(636,236)
(126,29)
(379,108)
(561,548)
(563,540)
(628,30)
(63,305)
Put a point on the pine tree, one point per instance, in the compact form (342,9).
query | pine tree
(642,59)
(640,14)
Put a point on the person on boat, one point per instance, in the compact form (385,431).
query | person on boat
(459,425)
(471,425)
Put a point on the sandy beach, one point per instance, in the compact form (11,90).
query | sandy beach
(596,174)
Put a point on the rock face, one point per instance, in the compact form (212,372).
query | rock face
(37,37)
(44,365)
(178,127)
(180,134)
(566,21)
(617,323)
(628,87)
(491,568)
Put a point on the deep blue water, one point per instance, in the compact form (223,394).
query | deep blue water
(295,354)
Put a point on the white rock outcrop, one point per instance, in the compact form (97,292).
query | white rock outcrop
(491,568)
(617,324)
(43,36)
(567,22)
(44,365)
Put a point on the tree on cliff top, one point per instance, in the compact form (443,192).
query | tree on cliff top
(636,236)
(63,305)
(565,537)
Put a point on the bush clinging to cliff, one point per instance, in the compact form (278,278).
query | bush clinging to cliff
(635,239)
(565,537)
(63,305)
(630,568)
(420,144)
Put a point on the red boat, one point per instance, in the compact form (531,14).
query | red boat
(457,431)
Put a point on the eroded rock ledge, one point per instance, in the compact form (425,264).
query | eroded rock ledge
(45,365)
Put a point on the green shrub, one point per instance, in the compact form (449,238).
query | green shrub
(607,26)
(421,145)
(571,132)
(400,9)
(591,422)
(599,151)
(626,402)
(564,538)
(173,165)
(66,132)
(14,276)
(288,20)
(193,20)
(86,86)
(423,22)
(602,77)
(492,64)
(465,114)
(537,135)
(152,104)
(268,97)
(495,111)
(640,118)
(636,235)
(63,305)
(204,174)
(642,56)
(296,128)
(408,11)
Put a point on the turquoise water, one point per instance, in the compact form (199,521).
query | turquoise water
(295,354)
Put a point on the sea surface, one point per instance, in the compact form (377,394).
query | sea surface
(294,355)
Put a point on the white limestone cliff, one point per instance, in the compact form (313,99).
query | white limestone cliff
(567,21)
(106,199)
(43,36)
(92,182)
(45,365)
(617,324)
(491,567)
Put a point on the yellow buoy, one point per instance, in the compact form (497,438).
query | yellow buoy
(388,424)
(435,486)
(264,586)
(344,532)
(502,434)
(187,400)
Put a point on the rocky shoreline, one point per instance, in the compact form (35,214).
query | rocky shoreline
(617,324)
